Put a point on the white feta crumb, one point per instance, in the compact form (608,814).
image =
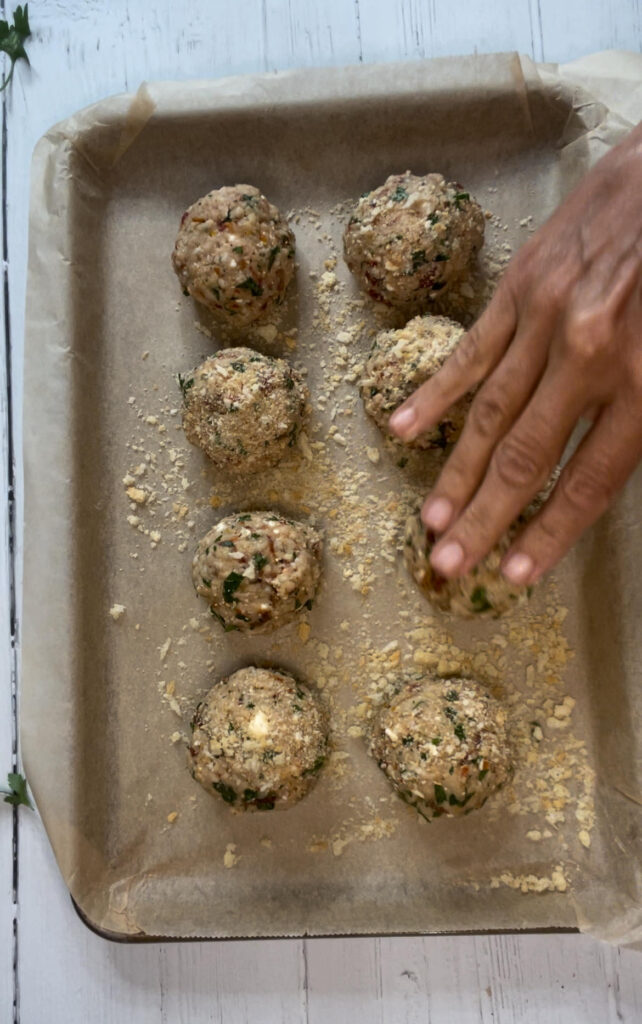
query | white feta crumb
(374,455)
(116,611)
(163,650)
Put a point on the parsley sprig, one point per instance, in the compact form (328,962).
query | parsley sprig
(16,794)
(12,39)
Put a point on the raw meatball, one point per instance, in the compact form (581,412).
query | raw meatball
(481,593)
(257,570)
(399,362)
(411,237)
(443,745)
(259,739)
(243,409)
(235,254)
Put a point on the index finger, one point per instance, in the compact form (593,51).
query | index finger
(478,352)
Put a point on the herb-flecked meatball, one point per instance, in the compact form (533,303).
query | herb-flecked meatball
(235,254)
(409,239)
(401,361)
(481,593)
(259,739)
(257,570)
(244,409)
(443,744)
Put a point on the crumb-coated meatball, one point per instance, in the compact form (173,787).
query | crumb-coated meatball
(235,254)
(409,239)
(401,361)
(244,409)
(259,739)
(481,593)
(257,570)
(443,744)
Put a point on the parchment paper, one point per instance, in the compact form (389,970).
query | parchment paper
(106,700)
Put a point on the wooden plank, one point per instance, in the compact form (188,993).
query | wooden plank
(81,52)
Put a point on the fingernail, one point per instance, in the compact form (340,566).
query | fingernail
(449,558)
(518,569)
(402,421)
(436,514)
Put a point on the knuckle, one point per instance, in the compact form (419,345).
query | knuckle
(586,486)
(520,462)
(488,415)
(588,333)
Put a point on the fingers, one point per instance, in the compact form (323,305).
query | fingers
(475,356)
(599,469)
(494,409)
(520,466)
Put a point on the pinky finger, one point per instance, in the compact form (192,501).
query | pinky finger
(588,484)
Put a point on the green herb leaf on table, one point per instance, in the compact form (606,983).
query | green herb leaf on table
(12,39)
(16,794)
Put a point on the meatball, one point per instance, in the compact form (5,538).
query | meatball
(257,570)
(235,254)
(443,744)
(259,739)
(401,361)
(481,593)
(244,409)
(409,239)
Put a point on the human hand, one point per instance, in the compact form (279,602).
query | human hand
(561,339)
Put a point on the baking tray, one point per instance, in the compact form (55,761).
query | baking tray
(106,699)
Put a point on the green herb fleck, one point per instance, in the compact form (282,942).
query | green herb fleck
(231,584)
(243,518)
(228,794)
(206,583)
(479,600)
(238,249)
(249,794)
(441,257)
(418,258)
(185,383)
(407,740)
(273,255)
(252,286)
(399,194)
(259,560)
(436,740)
(452,695)
(238,366)
(482,774)
(461,197)
(450,713)
(402,462)
(459,732)
(269,755)
(440,794)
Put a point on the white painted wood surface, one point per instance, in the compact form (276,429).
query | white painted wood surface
(83,50)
